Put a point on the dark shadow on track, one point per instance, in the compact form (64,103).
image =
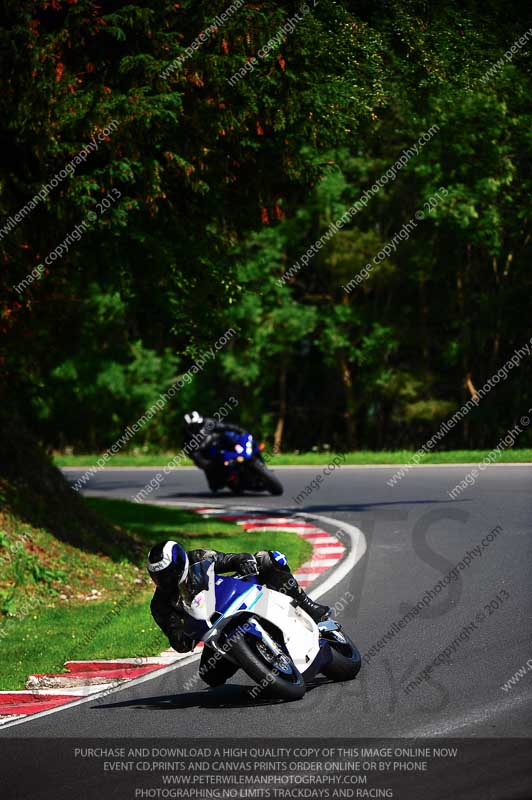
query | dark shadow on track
(217,496)
(359,507)
(102,486)
(228,696)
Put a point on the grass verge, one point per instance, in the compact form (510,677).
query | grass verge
(62,603)
(361,457)
(153,523)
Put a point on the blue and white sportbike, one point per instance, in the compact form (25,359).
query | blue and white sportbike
(265,633)
(240,462)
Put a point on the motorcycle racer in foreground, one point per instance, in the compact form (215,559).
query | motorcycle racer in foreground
(169,567)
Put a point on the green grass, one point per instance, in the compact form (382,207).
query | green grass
(120,460)
(369,457)
(312,458)
(38,569)
(154,523)
(45,631)
(42,642)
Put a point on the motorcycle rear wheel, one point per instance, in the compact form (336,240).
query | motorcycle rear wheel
(346,658)
(281,680)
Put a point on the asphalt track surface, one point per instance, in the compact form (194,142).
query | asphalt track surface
(415,535)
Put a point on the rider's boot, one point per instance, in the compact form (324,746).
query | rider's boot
(314,610)
(275,572)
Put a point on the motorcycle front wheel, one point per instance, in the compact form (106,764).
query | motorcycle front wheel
(266,478)
(276,676)
(235,484)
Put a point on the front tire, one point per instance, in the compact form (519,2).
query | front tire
(277,678)
(267,478)
(346,658)
(235,485)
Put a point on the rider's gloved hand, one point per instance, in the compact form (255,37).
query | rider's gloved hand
(248,565)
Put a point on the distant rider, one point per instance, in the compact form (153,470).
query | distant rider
(201,433)
(169,566)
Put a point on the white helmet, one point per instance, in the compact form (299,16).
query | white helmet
(193,418)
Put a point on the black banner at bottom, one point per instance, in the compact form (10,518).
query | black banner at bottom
(276,769)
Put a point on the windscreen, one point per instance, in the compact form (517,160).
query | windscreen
(196,581)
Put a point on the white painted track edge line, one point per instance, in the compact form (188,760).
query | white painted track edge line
(357,548)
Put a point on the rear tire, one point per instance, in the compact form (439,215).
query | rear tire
(272,683)
(346,659)
(267,478)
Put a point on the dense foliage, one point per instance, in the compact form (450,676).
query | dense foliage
(219,189)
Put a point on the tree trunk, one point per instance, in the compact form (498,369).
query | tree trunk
(468,383)
(279,428)
(349,414)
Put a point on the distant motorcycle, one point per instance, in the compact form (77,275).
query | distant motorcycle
(266,634)
(240,462)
